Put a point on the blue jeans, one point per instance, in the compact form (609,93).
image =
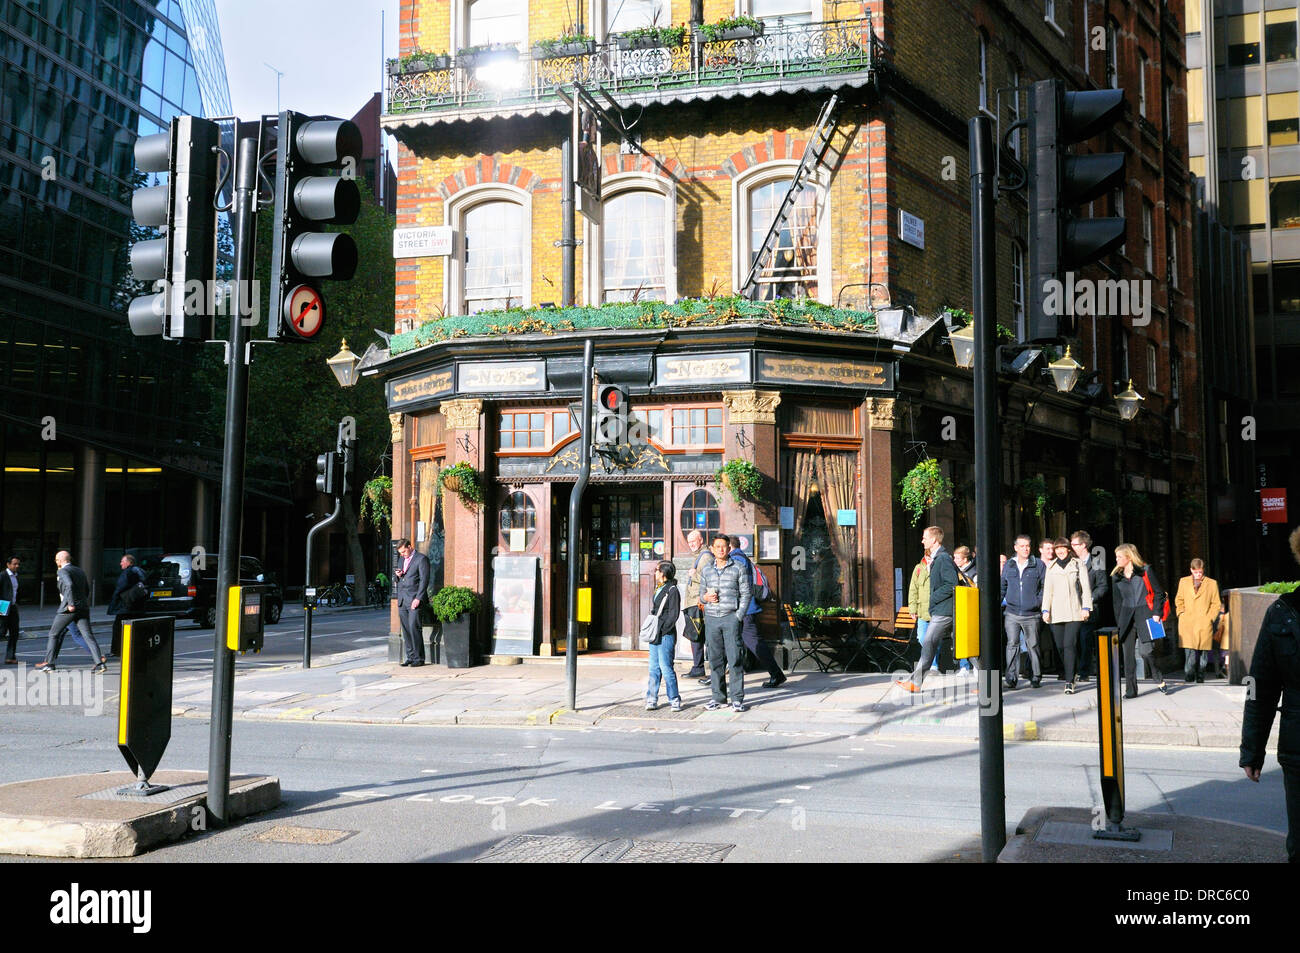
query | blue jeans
(661,664)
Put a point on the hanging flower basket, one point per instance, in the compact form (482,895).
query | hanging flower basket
(1034,490)
(463,480)
(742,479)
(377,501)
(924,487)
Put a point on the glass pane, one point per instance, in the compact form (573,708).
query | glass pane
(794,11)
(535,422)
(715,415)
(560,425)
(496,21)
(1285,202)
(507,440)
(715,435)
(627,15)
(634,247)
(791,272)
(1279,35)
(494,257)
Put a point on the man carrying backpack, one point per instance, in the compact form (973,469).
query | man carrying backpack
(1275,674)
(749,628)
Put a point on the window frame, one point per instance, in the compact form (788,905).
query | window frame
(1018,285)
(593,235)
(1144,68)
(742,189)
(460,24)
(454,212)
(1112,54)
(1148,237)
(984,96)
(681,509)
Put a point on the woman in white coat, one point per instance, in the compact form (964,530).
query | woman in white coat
(1067,602)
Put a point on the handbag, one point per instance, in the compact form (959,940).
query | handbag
(650,624)
(694,623)
(135,597)
(1151,601)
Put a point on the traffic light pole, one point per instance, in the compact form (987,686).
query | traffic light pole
(243,215)
(575,516)
(307,606)
(988,493)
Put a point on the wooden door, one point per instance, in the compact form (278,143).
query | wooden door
(626,534)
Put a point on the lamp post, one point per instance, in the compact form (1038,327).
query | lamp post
(1129,401)
(344,365)
(1065,372)
(963,346)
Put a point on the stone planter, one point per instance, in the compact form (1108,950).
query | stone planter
(458,649)
(562,50)
(1246,608)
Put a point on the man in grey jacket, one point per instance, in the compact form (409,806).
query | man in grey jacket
(727,590)
(74,607)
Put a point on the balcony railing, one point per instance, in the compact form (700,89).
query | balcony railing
(783,52)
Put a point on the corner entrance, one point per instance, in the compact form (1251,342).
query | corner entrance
(625,535)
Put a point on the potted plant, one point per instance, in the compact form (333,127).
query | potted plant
(649,37)
(377,501)
(419,61)
(1102,507)
(1034,490)
(924,486)
(454,607)
(570,44)
(463,480)
(472,56)
(731,28)
(742,478)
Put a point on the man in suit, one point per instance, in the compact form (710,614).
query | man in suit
(9,621)
(74,607)
(124,603)
(412,582)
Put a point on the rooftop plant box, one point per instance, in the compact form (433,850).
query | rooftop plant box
(731,28)
(576,45)
(473,56)
(649,37)
(418,63)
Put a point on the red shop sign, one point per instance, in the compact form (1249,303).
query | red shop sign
(1272,505)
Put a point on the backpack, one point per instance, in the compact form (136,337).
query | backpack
(762,591)
(1151,598)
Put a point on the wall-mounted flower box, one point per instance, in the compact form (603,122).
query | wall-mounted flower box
(647,38)
(731,28)
(475,56)
(419,63)
(564,46)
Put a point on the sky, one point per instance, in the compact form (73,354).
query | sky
(332,65)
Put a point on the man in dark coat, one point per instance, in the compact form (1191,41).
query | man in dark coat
(1099,582)
(1274,675)
(943,586)
(127,599)
(412,582)
(9,621)
(74,608)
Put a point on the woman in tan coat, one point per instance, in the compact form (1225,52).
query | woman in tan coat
(1197,605)
(1067,603)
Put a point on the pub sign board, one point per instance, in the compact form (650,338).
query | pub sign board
(776,368)
(419,388)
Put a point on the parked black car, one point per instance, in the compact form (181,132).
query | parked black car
(179,587)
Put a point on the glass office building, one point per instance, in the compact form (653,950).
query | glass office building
(98,428)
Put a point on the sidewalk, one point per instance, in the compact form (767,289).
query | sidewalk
(361,687)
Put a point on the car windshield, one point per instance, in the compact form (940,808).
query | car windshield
(170,571)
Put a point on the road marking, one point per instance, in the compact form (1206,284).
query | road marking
(803,787)
(785,800)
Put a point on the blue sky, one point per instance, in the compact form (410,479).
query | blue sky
(331,66)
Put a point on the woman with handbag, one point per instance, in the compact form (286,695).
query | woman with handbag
(1067,604)
(659,632)
(1138,600)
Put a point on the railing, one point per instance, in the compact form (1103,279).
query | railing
(781,52)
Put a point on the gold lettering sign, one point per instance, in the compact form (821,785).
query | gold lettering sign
(490,377)
(430,385)
(691,370)
(803,371)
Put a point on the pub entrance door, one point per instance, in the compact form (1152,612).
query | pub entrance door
(626,537)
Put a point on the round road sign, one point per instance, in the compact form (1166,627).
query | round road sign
(304,311)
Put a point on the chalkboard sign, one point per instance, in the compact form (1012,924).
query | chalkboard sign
(514,604)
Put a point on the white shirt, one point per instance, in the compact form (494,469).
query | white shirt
(13,581)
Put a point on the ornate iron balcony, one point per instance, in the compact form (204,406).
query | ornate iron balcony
(785,56)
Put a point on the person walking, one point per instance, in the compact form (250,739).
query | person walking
(1138,597)
(727,591)
(943,583)
(918,599)
(412,582)
(9,619)
(749,628)
(1275,671)
(128,596)
(74,608)
(1197,605)
(667,606)
(691,604)
(1081,545)
(1067,603)
(967,575)
(1022,594)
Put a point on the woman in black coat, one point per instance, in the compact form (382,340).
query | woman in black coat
(667,606)
(1133,608)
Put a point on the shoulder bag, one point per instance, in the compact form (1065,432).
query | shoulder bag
(650,624)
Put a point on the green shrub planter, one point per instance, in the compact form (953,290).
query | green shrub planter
(455,607)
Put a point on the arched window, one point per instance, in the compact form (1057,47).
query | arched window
(634,252)
(495,21)
(493,255)
(518,513)
(796,268)
(700,511)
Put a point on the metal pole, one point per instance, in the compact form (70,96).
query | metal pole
(575,514)
(568,242)
(306,631)
(988,489)
(243,214)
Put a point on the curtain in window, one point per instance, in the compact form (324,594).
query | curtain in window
(799,468)
(836,473)
(627,15)
(497,21)
(822,421)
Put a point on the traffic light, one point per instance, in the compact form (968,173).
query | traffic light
(185,257)
(611,415)
(349,466)
(307,196)
(326,464)
(1059,182)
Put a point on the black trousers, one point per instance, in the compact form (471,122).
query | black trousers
(412,634)
(1291,784)
(1066,637)
(762,651)
(1131,646)
(9,624)
(1087,648)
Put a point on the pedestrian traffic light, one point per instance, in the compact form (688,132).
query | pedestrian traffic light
(611,415)
(1060,242)
(326,464)
(182,262)
(349,466)
(307,197)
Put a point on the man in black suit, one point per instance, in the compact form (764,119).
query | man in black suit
(74,607)
(9,621)
(128,596)
(412,582)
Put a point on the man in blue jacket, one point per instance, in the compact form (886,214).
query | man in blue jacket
(1022,594)
(749,628)
(943,586)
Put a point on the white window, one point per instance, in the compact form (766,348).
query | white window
(1153,384)
(1049,11)
(1143,64)
(790,11)
(1112,54)
(624,15)
(1013,107)
(1171,244)
(984,70)
(1018,283)
(495,21)
(490,269)
(634,247)
(797,268)
(1119,213)
(1148,230)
